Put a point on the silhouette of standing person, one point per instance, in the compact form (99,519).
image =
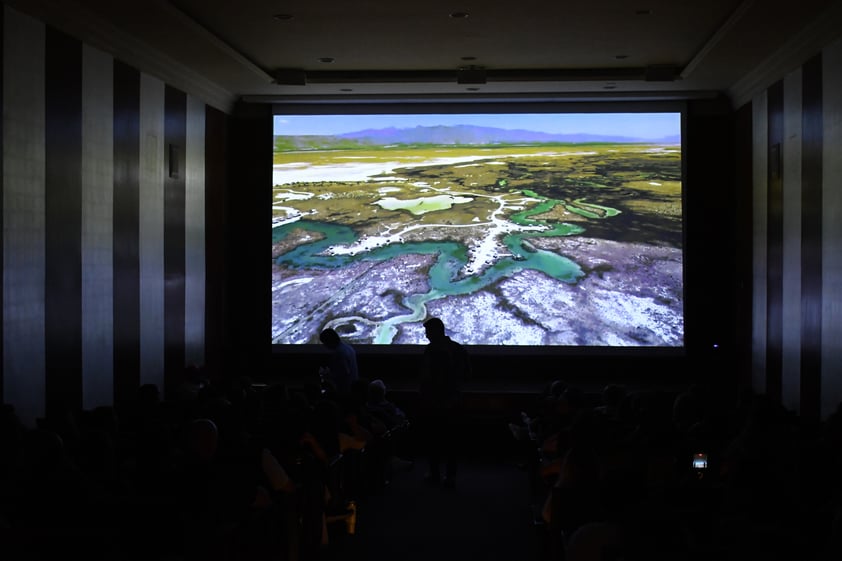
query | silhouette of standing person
(342,368)
(446,366)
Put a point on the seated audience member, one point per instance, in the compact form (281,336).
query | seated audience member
(355,418)
(545,419)
(394,424)
(279,511)
(686,412)
(219,483)
(187,390)
(331,443)
(328,430)
(574,499)
(382,408)
(46,495)
(353,433)
(612,397)
(554,439)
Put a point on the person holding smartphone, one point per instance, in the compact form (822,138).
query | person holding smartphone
(342,368)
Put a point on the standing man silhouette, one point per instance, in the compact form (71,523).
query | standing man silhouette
(446,366)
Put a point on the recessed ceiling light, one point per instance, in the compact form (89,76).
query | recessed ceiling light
(326,59)
(459,15)
(283,17)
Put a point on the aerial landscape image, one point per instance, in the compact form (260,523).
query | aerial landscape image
(522,229)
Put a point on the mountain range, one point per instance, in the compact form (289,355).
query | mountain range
(470,134)
(452,135)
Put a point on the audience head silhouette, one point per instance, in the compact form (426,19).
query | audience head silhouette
(376,391)
(434,329)
(329,338)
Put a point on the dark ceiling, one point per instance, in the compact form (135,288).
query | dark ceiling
(271,49)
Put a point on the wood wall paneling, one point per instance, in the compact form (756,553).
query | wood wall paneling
(97,228)
(811,239)
(23,215)
(194,232)
(115,263)
(216,173)
(759,154)
(151,226)
(791,258)
(100,166)
(831,272)
(2,237)
(774,243)
(63,223)
(126,232)
(175,136)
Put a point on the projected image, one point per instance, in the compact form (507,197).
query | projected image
(515,229)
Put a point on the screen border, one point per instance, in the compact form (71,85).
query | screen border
(318,106)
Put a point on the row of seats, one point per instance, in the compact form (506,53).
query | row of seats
(233,473)
(679,475)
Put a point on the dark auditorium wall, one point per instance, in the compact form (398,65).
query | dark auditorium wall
(125,255)
(2,224)
(790,144)
(108,176)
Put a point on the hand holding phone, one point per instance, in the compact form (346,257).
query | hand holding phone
(700,463)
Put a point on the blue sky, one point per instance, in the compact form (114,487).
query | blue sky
(639,125)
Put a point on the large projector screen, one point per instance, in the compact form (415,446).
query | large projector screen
(533,229)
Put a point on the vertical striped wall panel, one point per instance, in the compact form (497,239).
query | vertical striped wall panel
(23,215)
(63,223)
(126,232)
(831,326)
(216,170)
(151,231)
(194,243)
(811,237)
(104,267)
(175,135)
(774,240)
(798,293)
(97,228)
(791,262)
(2,35)
(758,313)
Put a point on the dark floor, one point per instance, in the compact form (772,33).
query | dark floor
(487,515)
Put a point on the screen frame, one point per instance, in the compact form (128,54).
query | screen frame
(510,106)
